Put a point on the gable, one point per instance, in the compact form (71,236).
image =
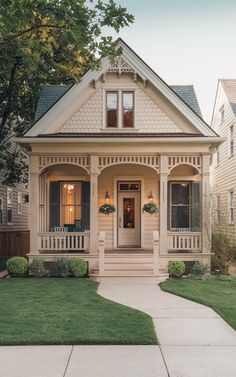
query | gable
(74,102)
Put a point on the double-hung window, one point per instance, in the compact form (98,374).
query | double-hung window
(231,140)
(9,206)
(1,210)
(184,206)
(119,109)
(231,206)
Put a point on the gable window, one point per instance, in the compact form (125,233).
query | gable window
(184,206)
(1,210)
(9,205)
(231,140)
(19,203)
(112,109)
(231,206)
(128,109)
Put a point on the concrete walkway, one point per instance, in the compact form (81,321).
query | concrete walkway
(194,342)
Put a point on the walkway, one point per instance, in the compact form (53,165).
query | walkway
(194,342)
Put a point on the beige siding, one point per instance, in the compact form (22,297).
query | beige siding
(223,176)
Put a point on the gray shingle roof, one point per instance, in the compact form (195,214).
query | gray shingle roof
(229,86)
(50,94)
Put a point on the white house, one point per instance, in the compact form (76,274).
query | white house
(223,170)
(124,137)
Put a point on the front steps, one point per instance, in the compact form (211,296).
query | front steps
(135,266)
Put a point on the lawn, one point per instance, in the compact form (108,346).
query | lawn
(67,311)
(219,295)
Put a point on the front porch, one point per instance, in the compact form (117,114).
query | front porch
(180,230)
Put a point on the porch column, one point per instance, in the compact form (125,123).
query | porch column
(34,204)
(206,215)
(93,204)
(163,203)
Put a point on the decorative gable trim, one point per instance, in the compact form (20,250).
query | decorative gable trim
(129,62)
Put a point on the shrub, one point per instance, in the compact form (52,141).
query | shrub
(176,268)
(17,266)
(37,268)
(63,267)
(199,269)
(223,252)
(78,267)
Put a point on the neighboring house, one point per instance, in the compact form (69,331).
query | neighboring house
(14,219)
(223,170)
(121,136)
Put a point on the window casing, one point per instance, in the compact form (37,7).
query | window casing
(231,140)
(120,109)
(1,210)
(9,206)
(19,202)
(231,207)
(184,206)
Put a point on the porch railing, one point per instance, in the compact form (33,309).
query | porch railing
(184,241)
(64,241)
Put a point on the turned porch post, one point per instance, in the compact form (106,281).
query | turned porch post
(206,215)
(163,203)
(34,204)
(93,204)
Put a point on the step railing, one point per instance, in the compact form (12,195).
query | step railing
(64,241)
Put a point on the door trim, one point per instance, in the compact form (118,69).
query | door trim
(115,227)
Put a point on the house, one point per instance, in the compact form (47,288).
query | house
(223,170)
(122,137)
(14,216)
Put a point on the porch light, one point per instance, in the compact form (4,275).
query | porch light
(107,197)
(150,197)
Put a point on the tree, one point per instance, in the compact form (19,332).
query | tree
(47,42)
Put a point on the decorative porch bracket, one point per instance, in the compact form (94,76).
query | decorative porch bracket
(156,252)
(101,251)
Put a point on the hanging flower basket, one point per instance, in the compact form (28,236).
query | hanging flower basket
(150,208)
(106,209)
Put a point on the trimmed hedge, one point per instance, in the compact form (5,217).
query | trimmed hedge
(17,266)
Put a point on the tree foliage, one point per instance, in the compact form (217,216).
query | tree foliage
(47,42)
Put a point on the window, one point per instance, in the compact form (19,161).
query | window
(217,212)
(184,206)
(231,140)
(9,205)
(70,202)
(120,109)
(112,109)
(222,114)
(231,207)
(19,203)
(128,109)
(1,210)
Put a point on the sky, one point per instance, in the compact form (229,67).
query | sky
(185,42)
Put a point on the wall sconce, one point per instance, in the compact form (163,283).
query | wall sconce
(107,198)
(150,197)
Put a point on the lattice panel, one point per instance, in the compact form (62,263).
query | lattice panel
(82,161)
(151,161)
(194,161)
(120,66)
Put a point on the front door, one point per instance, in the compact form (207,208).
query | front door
(129,218)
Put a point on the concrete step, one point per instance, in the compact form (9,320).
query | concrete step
(128,266)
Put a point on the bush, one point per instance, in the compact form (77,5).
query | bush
(223,253)
(17,266)
(78,267)
(176,268)
(199,269)
(37,268)
(63,267)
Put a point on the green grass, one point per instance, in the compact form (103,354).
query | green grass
(219,295)
(67,311)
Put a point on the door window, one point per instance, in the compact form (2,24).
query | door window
(129,213)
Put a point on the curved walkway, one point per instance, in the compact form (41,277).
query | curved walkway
(194,340)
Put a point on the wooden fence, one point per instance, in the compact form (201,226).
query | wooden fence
(14,243)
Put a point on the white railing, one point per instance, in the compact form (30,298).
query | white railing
(64,241)
(184,241)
